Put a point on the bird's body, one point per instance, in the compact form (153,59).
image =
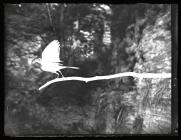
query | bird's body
(50,60)
(54,67)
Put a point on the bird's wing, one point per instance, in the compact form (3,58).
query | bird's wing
(51,52)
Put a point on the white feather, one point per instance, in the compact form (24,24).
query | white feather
(51,52)
(50,60)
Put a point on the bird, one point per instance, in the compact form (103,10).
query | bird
(50,59)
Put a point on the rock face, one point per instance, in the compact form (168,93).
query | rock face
(155,95)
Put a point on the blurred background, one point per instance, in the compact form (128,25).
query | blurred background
(100,39)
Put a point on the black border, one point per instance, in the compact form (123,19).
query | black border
(175,30)
(174,99)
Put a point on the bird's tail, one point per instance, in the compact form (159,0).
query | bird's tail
(72,67)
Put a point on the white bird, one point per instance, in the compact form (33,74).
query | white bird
(50,60)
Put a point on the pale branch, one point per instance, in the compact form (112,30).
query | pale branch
(119,75)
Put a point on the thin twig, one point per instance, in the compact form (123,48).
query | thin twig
(50,18)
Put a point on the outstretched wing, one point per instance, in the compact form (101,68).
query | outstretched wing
(51,53)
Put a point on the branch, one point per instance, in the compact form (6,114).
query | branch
(119,75)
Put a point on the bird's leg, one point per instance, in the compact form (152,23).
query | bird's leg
(57,74)
(61,73)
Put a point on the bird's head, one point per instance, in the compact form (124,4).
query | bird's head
(34,64)
(36,60)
